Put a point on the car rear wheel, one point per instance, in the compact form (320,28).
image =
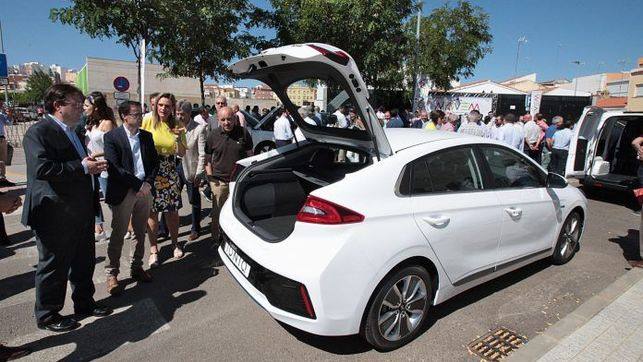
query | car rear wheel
(399,309)
(569,239)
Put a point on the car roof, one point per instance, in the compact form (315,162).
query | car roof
(401,138)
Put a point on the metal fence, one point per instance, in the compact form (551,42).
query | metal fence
(15,132)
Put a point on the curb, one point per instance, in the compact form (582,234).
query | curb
(553,335)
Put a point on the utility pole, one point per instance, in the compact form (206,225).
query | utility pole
(6,86)
(578,63)
(416,81)
(521,40)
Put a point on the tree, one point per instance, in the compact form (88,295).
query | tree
(200,37)
(130,21)
(372,32)
(37,85)
(452,41)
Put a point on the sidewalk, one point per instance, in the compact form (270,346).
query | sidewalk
(608,327)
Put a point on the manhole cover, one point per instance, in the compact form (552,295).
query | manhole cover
(496,344)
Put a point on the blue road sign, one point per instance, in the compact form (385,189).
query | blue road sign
(121,84)
(3,66)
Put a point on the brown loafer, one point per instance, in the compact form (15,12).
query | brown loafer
(141,275)
(193,236)
(113,288)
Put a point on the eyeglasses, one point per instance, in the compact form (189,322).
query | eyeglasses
(222,103)
(136,115)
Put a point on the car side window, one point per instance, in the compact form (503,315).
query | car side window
(511,170)
(453,170)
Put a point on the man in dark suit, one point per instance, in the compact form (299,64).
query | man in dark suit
(133,164)
(60,205)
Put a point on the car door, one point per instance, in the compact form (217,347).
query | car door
(583,142)
(458,216)
(528,211)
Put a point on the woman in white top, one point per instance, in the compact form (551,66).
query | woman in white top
(100,120)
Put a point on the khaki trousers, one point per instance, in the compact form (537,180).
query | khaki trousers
(138,209)
(220,192)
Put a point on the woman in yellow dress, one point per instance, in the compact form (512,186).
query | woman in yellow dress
(169,141)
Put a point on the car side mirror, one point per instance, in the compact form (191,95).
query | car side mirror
(556,181)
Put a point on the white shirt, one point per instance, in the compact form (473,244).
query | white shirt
(282,129)
(4,120)
(135,146)
(472,128)
(342,121)
(562,138)
(532,132)
(512,135)
(199,119)
(75,141)
(299,135)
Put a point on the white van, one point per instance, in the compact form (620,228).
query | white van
(601,152)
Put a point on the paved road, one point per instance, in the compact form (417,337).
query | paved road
(193,312)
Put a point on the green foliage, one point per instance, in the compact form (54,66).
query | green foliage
(37,85)
(198,38)
(452,41)
(372,32)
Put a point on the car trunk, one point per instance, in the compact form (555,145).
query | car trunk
(268,195)
(615,160)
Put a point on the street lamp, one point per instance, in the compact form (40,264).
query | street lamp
(578,63)
(521,40)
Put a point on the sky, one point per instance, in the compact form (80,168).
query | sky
(606,36)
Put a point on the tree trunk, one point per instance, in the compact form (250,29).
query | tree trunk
(201,79)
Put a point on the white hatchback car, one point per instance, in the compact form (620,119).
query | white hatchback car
(359,230)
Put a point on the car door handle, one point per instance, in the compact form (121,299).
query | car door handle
(437,221)
(514,212)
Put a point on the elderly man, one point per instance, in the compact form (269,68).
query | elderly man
(533,139)
(423,121)
(472,127)
(225,145)
(240,117)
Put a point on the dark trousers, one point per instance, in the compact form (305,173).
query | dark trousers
(280,143)
(64,253)
(3,231)
(195,201)
(558,161)
(535,155)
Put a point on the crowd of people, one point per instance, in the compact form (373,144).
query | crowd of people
(80,154)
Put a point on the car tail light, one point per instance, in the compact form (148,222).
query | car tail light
(320,211)
(236,170)
(336,56)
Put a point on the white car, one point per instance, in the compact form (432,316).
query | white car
(362,231)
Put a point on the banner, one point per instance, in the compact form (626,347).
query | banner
(459,103)
(534,104)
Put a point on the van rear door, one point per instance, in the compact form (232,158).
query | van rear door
(583,143)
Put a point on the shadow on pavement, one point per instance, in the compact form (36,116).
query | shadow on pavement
(174,286)
(630,245)
(16,284)
(354,344)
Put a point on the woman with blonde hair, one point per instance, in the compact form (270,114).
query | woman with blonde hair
(169,141)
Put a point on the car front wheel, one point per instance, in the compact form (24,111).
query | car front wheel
(399,309)
(569,239)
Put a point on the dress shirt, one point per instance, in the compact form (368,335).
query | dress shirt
(342,121)
(282,129)
(472,128)
(511,135)
(532,132)
(562,139)
(73,138)
(135,146)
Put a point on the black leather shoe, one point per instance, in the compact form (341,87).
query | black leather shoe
(58,323)
(97,311)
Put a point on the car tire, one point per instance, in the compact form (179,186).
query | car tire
(264,147)
(391,321)
(568,242)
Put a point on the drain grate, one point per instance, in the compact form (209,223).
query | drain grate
(496,344)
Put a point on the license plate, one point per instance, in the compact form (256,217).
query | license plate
(241,264)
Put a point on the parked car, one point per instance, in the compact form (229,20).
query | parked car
(601,154)
(363,231)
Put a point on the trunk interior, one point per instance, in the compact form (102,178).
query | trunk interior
(269,195)
(615,153)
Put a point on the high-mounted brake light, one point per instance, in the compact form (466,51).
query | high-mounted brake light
(336,56)
(320,211)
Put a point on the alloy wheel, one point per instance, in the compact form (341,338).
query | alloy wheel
(570,236)
(402,309)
